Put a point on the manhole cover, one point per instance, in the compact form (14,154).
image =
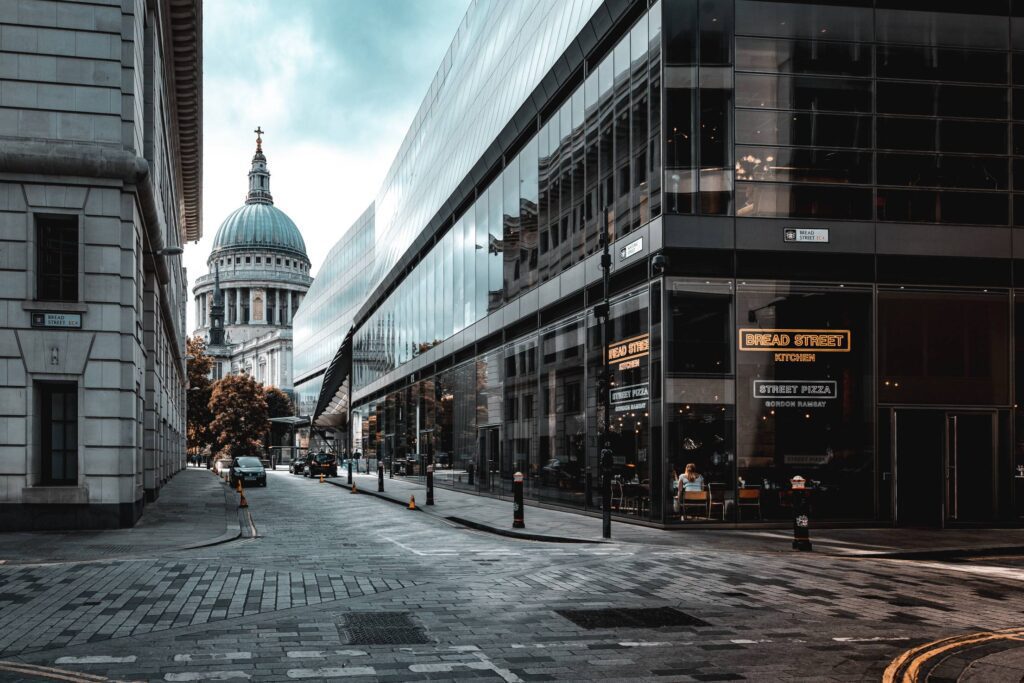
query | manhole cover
(383,628)
(644,617)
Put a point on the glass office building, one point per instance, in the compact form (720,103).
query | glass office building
(813,211)
(324,319)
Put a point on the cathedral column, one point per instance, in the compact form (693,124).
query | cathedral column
(289,307)
(238,305)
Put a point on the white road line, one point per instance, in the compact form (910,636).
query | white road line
(207,676)
(983,570)
(850,639)
(95,659)
(332,672)
(212,656)
(306,654)
(432,553)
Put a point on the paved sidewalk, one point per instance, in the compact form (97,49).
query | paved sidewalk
(195,508)
(546,524)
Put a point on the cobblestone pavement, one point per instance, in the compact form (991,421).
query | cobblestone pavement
(351,587)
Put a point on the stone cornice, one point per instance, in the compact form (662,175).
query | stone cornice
(184,23)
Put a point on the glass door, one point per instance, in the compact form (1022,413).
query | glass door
(970,493)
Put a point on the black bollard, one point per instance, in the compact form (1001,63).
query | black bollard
(469,474)
(517,501)
(380,476)
(350,471)
(801,515)
(391,468)
(430,484)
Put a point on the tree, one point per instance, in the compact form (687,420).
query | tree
(278,405)
(240,421)
(198,416)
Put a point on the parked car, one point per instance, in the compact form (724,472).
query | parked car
(248,469)
(298,465)
(321,463)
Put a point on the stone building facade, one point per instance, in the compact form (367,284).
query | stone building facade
(259,259)
(100,186)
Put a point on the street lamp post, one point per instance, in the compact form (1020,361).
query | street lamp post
(602,311)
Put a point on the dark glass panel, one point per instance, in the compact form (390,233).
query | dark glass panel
(1018,68)
(849,20)
(699,337)
(562,435)
(1018,209)
(915,26)
(803,57)
(798,128)
(924,206)
(925,99)
(680,29)
(528,213)
(1018,104)
(495,266)
(802,92)
(943,348)
(716,145)
(774,200)
(56,258)
(802,165)
(680,160)
(929,135)
(943,171)
(578,244)
(931,64)
(1018,174)
(716,32)
(1018,139)
(654,143)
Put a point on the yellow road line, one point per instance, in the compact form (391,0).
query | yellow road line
(907,667)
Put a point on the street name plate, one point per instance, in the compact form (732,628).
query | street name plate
(65,320)
(632,248)
(805,235)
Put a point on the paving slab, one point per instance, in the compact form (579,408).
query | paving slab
(195,509)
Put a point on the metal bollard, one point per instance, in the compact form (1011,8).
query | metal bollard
(430,484)
(350,471)
(517,501)
(380,476)
(607,460)
(801,515)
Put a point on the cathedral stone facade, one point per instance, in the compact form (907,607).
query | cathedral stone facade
(259,273)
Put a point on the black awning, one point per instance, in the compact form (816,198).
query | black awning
(337,373)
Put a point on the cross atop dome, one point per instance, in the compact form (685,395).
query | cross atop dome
(259,176)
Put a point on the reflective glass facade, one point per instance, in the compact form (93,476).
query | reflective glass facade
(813,208)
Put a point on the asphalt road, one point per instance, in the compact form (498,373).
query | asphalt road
(349,587)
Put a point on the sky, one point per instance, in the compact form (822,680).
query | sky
(334,84)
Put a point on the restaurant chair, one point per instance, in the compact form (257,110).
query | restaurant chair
(748,498)
(717,497)
(697,499)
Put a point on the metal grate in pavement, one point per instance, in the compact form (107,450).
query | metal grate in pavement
(112,548)
(642,617)
(383,628)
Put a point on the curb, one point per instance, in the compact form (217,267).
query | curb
(524,535)
(375,494)
(947,553)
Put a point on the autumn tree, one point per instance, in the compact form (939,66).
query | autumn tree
(198,417)
(240,421)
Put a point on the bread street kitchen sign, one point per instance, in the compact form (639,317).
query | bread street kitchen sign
(794,345)
(628,352)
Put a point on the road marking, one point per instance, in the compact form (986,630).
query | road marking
(49,673)
(212,656)
(432,553)
(642,643)
(484,664)
(207,676)
(876,639)
(95,659)
(907,667)
(306,654)
(332,672)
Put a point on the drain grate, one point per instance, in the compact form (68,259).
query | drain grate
(644,617)
(383,628)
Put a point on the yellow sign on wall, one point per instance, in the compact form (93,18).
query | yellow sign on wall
(770,339)
(628,352)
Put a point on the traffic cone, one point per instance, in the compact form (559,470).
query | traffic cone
(321,478)
(242,502)
(354,488)
(412,502)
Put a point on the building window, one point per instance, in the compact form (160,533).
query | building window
(58,403)
(248,259)
(278,261)
(57,258)
(288,262)
(258,259)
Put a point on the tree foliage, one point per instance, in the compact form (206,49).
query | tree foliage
(240,417)
(198,417)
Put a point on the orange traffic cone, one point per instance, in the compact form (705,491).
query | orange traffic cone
(242,502)
(321,478)
(412,502)
(354,488)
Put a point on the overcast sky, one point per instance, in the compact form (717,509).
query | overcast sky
(334,84)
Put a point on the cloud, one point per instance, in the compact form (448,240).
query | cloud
(334,83)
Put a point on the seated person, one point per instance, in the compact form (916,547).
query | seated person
(690,480)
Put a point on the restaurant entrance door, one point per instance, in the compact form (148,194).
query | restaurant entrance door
(489,440)
(944,463)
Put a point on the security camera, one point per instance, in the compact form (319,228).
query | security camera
(658,264)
